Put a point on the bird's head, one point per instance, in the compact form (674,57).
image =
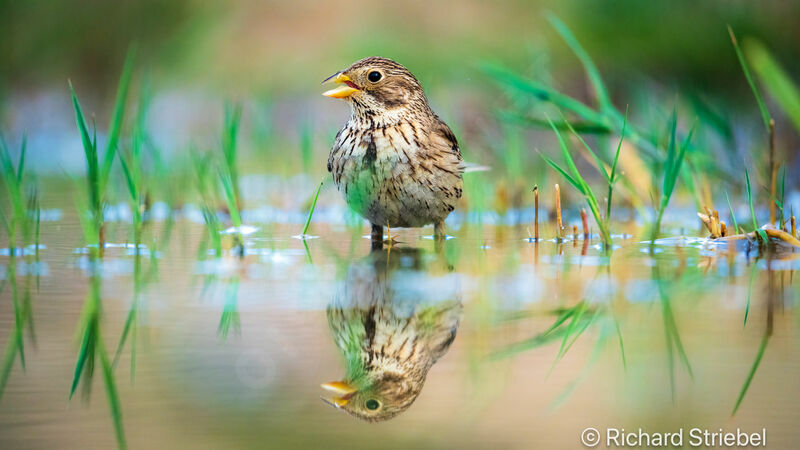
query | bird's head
(375,398)
(379,88)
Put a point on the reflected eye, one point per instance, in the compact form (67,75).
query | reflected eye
(372,404)
(374,76)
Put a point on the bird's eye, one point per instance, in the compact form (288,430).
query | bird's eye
(374,76)
(373,404)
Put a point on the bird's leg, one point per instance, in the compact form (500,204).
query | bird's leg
(377,235)
(389,234)
(439,230)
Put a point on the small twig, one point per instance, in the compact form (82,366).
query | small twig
(794,230)
(536,213)
(585,221)
(559,226)
(575,233)
(771,232)
(723,229)
(773,172)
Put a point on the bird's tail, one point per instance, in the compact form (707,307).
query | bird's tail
(467,167)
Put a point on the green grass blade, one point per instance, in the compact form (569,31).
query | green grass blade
(752,373)
(580,126)
(762,107)
(311,212)
(669,166)
(603,99)
(6,226)
(776,80)
(601,166)
(506,77)
(733,216)
(612,177)
(129,181)
(758,231)
(21,165)
(118,116)
(306,145)
(90,152)
(230,199)
(613,174)
(567,156)
(579,183)
(91,159)
(563,173)
(233,115)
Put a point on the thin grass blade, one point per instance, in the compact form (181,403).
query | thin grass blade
(762,107)
(311,212)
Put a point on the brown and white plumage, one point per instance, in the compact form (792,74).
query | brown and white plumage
(389,333)
(395,161)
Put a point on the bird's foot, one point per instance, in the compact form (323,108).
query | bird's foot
(390,240)
(439,231)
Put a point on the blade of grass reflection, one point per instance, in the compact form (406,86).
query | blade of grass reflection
(308,252)
(27,307)
(671,333)
(113,397)
(574,334)
(580,309)
(593,358)
(753,271)
(619,339)
(230,314)
(19,321)
(761,349)
(14,345)
(552,333)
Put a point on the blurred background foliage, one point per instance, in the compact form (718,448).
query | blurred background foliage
(288,47)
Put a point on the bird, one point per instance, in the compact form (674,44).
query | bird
(389,331)
(395,161)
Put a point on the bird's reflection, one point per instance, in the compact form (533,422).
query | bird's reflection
(395,315)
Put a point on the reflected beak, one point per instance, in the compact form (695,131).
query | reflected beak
(344,391)
(344,91)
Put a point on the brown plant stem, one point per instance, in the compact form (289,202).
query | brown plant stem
(559,226)
(585,222)
(536,213)
(773,172)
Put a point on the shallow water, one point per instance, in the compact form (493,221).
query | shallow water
(550,338)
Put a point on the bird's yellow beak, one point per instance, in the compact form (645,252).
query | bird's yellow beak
(344,391)
(344,91)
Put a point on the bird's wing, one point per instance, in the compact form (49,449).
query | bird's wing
(443,138)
